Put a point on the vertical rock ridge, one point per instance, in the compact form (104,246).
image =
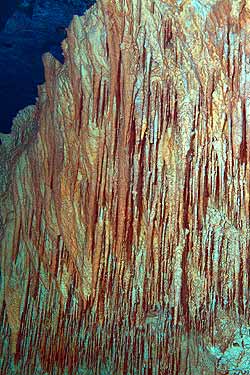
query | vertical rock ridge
(125,235)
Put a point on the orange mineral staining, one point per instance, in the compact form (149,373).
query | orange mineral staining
(124,222)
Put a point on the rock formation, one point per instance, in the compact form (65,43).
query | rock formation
(125,197)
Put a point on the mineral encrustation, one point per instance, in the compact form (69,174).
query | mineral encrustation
(125,198)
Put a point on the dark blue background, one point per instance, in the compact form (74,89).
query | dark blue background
(29,28)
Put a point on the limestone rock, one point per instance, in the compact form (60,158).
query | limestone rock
(125,197)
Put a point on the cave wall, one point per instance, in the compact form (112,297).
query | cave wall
(125,198)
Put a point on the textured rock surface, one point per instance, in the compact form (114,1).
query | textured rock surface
(125,198)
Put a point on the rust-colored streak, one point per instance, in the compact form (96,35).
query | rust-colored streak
(125,200)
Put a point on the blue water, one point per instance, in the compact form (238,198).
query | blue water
(29,28)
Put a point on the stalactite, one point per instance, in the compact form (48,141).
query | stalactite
(125,198)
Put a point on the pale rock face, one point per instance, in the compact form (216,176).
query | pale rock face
(125,197)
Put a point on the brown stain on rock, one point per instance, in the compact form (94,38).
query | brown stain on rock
(133,192)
